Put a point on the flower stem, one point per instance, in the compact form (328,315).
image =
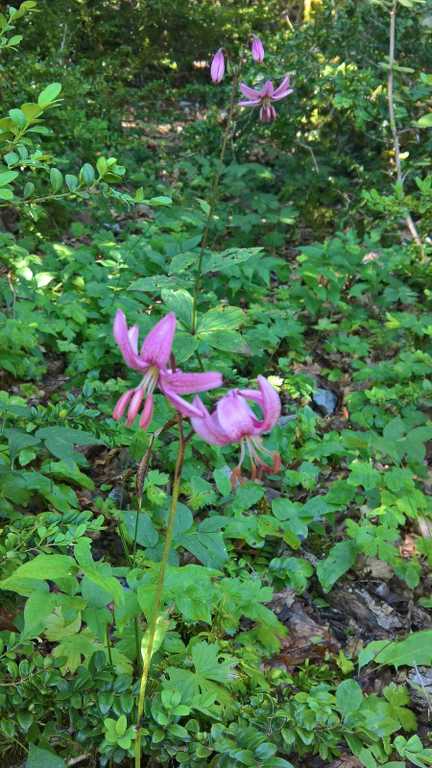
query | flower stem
(153,625)
(214,195)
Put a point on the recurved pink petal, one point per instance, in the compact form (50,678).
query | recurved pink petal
(251,103)
(157,345)
(121,335)
(271,406)
(133,338)
(181,405)
(122,404)
(283,89)
(147,413)
(135,405)
(207,426)
(252,394)
(187,383)
(235,417)
(267,89)
(249,92)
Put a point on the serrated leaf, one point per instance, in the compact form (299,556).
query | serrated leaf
(363,474)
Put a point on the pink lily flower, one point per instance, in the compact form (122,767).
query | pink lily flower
(217,69)
(265,97)
(233,421)
(257,50)
(152,361)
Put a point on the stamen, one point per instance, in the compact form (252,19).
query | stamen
(149,380)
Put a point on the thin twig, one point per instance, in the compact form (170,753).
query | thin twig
(77,760)
(309,149)
(393,124)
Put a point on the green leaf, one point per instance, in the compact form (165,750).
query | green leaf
(49,94)
(61,440)
(162,201)
(221,318)
(6,193)
(29,188)
(416,649)
(99,573)
(207,544)
(18,440)
(42,758)
(37,609)
(7,177)
(56,179)
(222,479)
(14,40)
(363,474)
(425,121)
(18,117)
(71,182)
(209,666)
(339,560)
(349,697)
(43,568)
(147,535)
(180,302)
(87,174)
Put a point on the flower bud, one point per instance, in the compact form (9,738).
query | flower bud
(217,69)
(257,50)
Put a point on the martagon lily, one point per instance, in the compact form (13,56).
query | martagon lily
(152,362)
(233,421)
(264,97)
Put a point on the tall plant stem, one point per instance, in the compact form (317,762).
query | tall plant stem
(152,628)
(393,124)
(214,194)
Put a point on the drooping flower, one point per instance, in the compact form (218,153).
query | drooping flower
(233,421)
(257,49)
(152,362)
(217,69)
(264,97)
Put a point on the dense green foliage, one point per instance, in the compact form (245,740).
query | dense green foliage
(109,146)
